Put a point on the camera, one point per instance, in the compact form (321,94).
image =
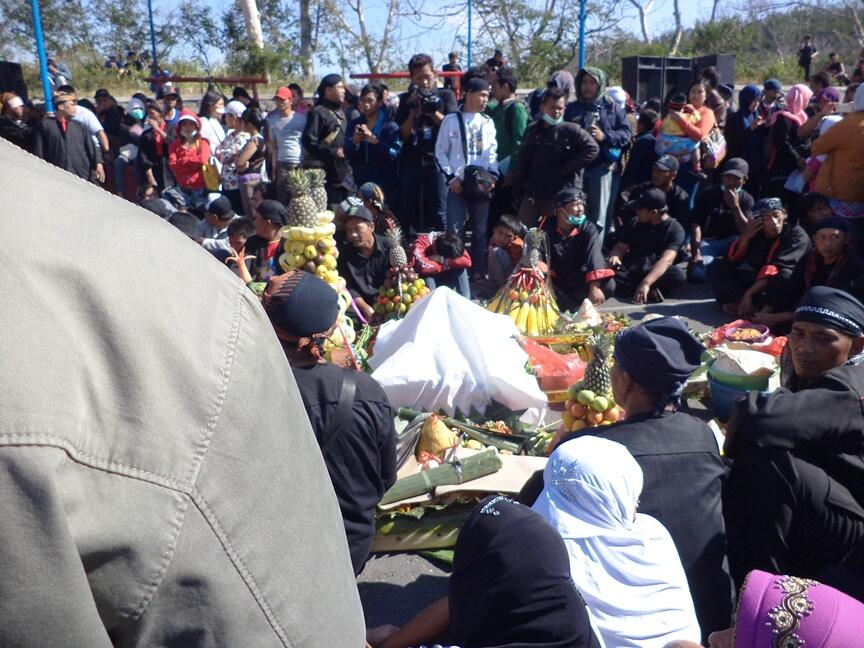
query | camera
(426,101)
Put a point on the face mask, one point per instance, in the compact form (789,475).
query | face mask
(492,104)
(137,113)
(576,221)
(220,111)
(191,134)
(551,120)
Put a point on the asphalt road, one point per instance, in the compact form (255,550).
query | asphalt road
(395,587)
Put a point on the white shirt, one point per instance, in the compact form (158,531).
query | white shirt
(91,122)
(480,139)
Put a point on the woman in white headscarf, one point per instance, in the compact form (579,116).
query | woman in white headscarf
(624,563)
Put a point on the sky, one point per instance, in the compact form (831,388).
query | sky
(439,42)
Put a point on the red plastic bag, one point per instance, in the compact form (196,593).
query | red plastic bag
(555,372)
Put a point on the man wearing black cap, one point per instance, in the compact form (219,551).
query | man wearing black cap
(577,266)
(795,494)
(678,455)
(324,137)
(663,174)
(644,256)
(721,214)
(551,157)
(212,232)
(363,257)
(830,262)
(759,261)
(270,217)
(772,97)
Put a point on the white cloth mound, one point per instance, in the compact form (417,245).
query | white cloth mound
(449,353)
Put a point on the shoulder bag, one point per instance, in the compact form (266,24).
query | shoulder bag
(477,182)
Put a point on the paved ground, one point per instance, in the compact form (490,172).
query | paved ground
(395,587)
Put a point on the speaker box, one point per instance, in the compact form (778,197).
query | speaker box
(642,77)
(12,79)
(677,75)
(725,64)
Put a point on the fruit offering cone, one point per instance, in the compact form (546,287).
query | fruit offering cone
(312,249)
(528,300)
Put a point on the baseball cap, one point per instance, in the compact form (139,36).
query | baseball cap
(220,206)
(283,93)
(772,84)
(650,199)
(273,211)
(169,90)
(736,167)
(358,211)
(235,108)
(101,92)
(829,94)
(667,163)
(568,195)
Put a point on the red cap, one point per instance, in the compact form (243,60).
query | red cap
(283,93)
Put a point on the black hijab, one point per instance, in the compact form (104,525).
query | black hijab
(511,585)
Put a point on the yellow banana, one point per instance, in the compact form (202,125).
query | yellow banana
(533,329)
(522,317)
(493,305)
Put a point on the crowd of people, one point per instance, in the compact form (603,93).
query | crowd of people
(640,532)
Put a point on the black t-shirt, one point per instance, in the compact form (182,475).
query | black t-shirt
(364,276)
(421,143)
(651,241)
(361,459)
(805,54)
(713,215)
(677,199)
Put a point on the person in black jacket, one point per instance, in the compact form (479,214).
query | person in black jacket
(153,152)
(664,171)
(14,124)
(551,157)
(794,501)
(746,133)
(760,261)
(577,266)
(678,455)
(324,137)
(642,154)
(65,143)
(349,412)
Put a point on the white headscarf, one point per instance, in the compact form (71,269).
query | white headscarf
(624,563)
(618,95)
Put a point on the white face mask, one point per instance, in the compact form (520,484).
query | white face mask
(220,111)
(190,134)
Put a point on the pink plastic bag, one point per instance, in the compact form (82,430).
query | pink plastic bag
(555,372)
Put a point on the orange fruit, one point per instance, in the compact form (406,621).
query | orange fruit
(594,418)
(612,414)
(578,410)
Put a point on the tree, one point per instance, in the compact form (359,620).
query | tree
(679,29)
(253,23)
(353,30)
(644,10)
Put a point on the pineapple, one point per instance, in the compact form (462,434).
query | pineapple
(597,373)
(302,211)
(317,180)
(398,258)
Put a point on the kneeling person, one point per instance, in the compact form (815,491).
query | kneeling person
(442,260)
(644,257)
(577,266)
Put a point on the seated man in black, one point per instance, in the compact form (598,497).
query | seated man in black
(363,258)
(663,174)
(760,261)
(678,455)
(577,266)
(720,215)
(644,256)
(830,262)
(794,501)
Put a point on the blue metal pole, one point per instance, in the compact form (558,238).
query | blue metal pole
(583,16)
(469,34)
(154,64)
(43,57)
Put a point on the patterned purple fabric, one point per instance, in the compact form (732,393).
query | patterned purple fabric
(789,612)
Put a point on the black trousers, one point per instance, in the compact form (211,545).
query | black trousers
(631,274)
(786,515)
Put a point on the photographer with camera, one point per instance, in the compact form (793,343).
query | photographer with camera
(422,188)
(466,151)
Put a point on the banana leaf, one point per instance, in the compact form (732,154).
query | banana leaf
(479,465)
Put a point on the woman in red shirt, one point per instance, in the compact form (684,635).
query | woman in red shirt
(187,155)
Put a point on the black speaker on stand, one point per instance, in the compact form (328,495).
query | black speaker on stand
(642,77)
(12,79)
(725,64)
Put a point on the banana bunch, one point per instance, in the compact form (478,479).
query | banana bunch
(529,302)
(312,249)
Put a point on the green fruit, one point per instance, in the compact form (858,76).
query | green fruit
(391,292)
(573,392)
(601,404)
(586,397)
(390,306)
(523,296)
(378,308)
(382,291)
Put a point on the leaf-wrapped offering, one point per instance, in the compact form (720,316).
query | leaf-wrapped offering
(473,467)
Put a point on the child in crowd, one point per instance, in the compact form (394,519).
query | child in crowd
(239,231)
(811,208)
(212,231)
(442,260)
(505,249)
(577,266)
(373,199)
(648,246)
